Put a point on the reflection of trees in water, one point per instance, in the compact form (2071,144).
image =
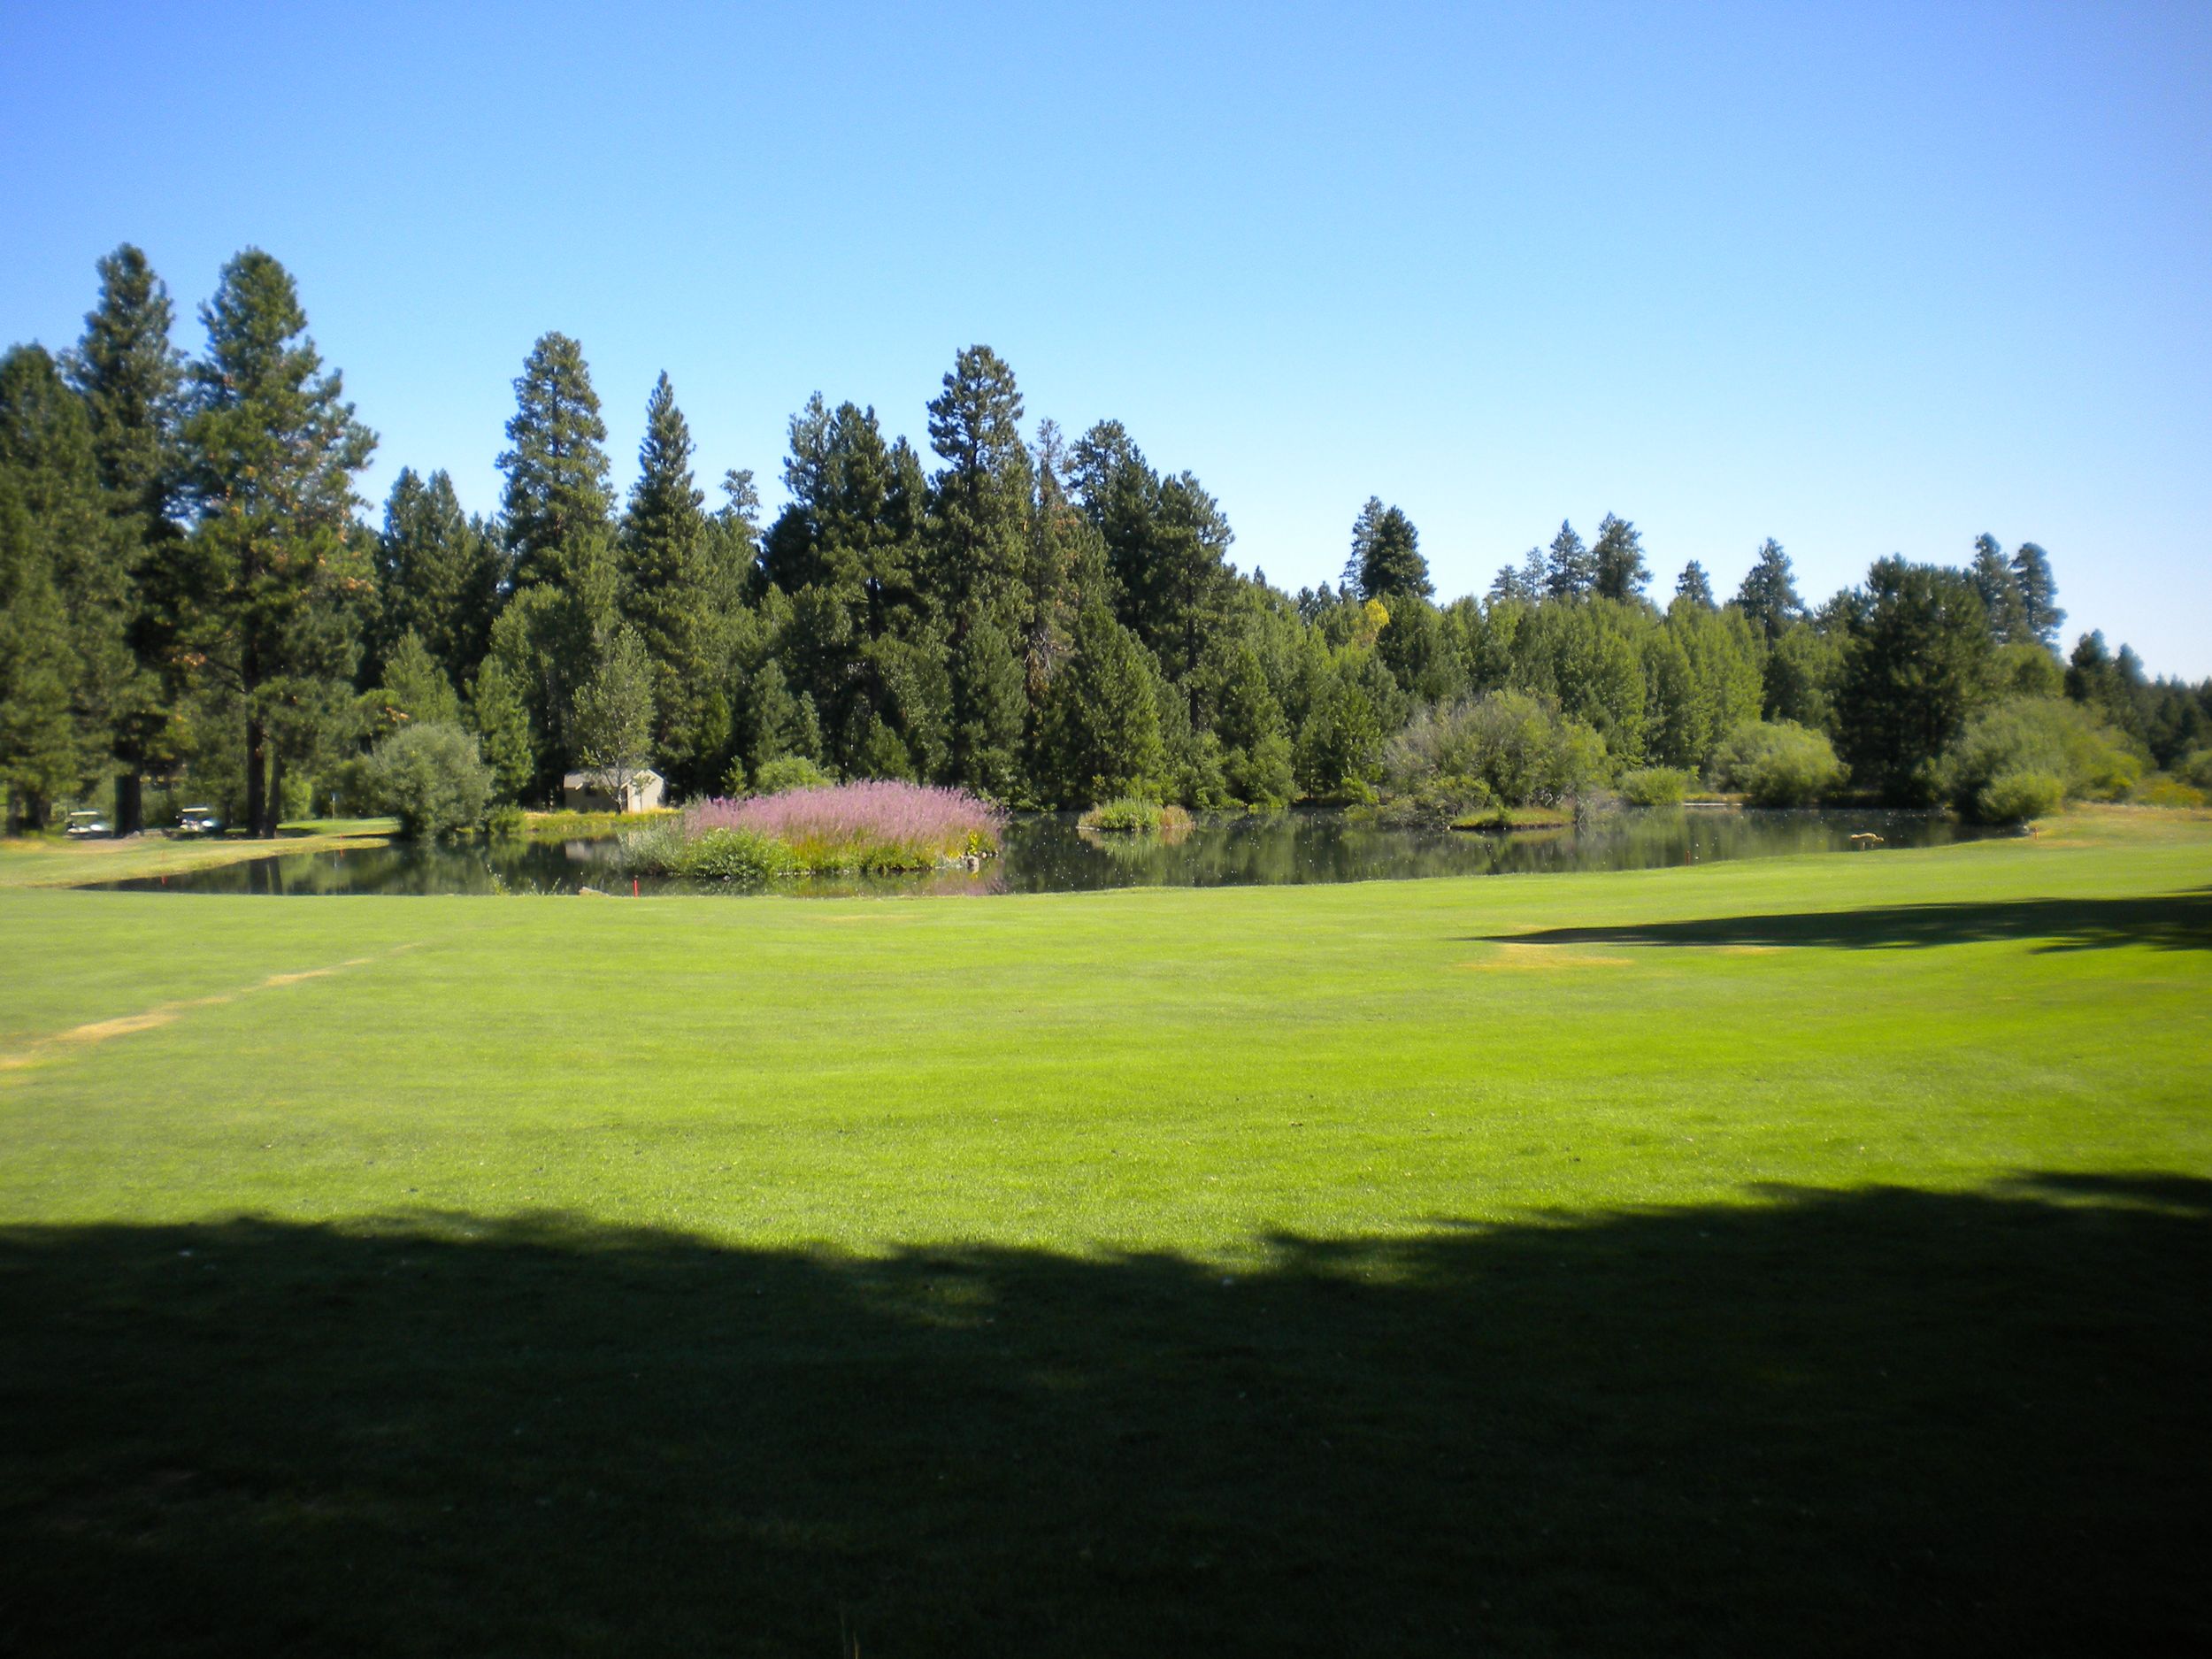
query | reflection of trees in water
(1049,853)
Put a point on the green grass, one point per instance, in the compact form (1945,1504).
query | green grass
(1794,1255)
(48,861)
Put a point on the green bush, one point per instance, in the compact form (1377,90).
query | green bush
(2162,789)
(2196,768)
(429,777)
(733,855)
(1514,748)
(1131,813)
(508,819)
(1655,785)
(2014,796)
(2047,737)
(787,772)
(1780,764)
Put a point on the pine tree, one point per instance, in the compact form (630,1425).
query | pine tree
(1099,730)
(1995,580)
(1568,569)
(46,445)
(672,598)
(1618,571)
(1769,593)
(130,380)
(557,497)
(1693,585)
(39,756)
(502,724)
(2039,593)
(1919,662)
(1386,554)
(980,502)
(272,450)
(437,573)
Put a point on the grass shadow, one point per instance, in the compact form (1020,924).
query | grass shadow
(1884,1420)
(2173,921)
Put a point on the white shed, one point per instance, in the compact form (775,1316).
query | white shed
(589,791)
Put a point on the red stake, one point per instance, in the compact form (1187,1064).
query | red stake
(634,887)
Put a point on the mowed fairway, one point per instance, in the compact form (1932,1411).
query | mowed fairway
(1807,1254)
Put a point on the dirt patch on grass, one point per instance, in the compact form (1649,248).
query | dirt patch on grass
(1539,958)
(99,1031)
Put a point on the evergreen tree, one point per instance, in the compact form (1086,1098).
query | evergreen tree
(557,498)
(1099,730)
(39,751)
(412,690)
(1386,554)
(272,450)
(1999,585)
(2039,593)
(1568,569)
(69,552)
(437,573)
(1618,571)
(1769,593)
(130,380)
(990,708)
(1918,663)
(502,724)
(1693,585)
(1166,543)
(672,597)
(979,502)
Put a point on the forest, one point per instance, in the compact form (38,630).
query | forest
(195,605)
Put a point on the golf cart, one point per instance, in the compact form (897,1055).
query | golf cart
(82,824)
(197,820)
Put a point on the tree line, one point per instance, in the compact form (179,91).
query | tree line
(191,597)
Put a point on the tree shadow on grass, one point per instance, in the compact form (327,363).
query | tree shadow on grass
(1882,1420)
(2173,921)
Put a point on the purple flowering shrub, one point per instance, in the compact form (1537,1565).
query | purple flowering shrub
(877,824)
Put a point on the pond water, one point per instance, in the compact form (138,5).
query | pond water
(1048,853)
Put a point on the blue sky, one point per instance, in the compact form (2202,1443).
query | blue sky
(1868,278)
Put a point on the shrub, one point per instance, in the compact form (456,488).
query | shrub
(1655,785)
(1133,814)
(1512,747)
(430,777)
(879,824)
(1780,765)
(508,819)
(787,772)
(2196,768)
(733,855)
(2048,737)
(2015,795)
(2161,790)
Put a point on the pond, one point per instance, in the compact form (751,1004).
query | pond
(1048,853)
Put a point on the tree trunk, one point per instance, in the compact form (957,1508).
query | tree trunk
(273,808)
(130,802)
(257,791)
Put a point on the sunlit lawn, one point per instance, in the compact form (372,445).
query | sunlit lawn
(1800,1255)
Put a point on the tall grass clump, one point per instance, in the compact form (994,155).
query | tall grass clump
(877,824)
(1135,815)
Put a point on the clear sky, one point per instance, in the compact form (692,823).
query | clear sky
(1866,278)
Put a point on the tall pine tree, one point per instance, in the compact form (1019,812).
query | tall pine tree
(1616,559)
(1568,569)
(672,598)
(272,451)
(1386,558)
(437,573)
(557,498)
(1769,593)
(131,379)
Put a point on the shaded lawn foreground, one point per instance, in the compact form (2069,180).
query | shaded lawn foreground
(2172,921)
(1880,1420)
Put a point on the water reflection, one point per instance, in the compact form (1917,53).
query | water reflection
(1048,853)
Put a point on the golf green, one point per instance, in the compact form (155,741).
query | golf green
(1801,1253)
